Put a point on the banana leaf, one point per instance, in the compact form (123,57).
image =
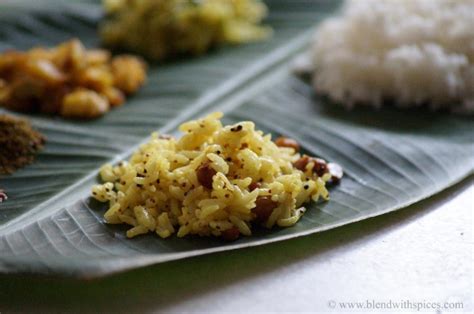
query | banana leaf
(49,225)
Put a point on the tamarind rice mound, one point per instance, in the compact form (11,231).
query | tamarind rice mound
(214,181)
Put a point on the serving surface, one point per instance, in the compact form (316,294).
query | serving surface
(391,158)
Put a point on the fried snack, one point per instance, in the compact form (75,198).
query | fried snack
(68,80)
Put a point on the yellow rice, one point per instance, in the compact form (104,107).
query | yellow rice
(158,189)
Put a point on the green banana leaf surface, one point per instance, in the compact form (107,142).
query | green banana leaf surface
(49,225)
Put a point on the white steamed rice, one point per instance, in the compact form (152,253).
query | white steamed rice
(411,52)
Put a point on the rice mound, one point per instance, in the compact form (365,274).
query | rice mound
(163,187)
(411,52)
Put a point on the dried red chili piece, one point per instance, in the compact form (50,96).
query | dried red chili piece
(301,163)
(254,185)
(231,234)
(320,166)
(205,174)
(264,207)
